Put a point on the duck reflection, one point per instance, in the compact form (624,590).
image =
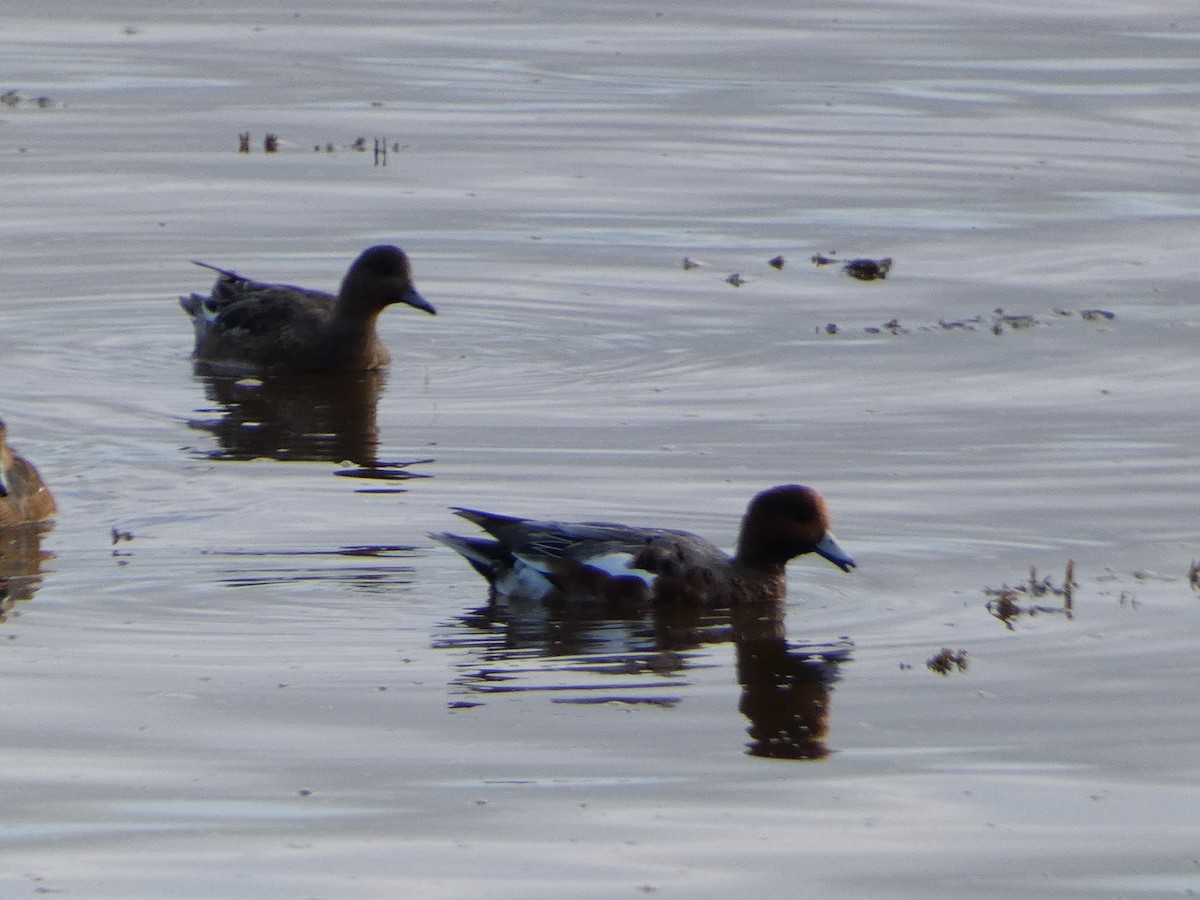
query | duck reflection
(325,417)
(21,559)
(785,687)
(643,657)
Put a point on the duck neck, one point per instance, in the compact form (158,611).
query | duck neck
(354,310)
(760,549)
(759,582)
(765,563)
(356,331)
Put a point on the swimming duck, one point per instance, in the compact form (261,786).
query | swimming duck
(607,564)
(23,496)
(278,328)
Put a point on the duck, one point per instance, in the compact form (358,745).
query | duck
(610,565)
(249,326)
(24,498)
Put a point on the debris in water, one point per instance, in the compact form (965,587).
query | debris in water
(862,268)
(1001,320)
(947,660)
(868,269)
(15,98)
(892,327)
(1005,605)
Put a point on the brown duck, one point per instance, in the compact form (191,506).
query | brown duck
(23,496)
(246,325)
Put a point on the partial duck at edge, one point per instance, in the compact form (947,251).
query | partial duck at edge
(24,497)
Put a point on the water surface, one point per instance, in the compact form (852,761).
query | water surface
(248,672)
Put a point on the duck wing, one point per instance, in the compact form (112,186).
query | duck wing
(571,540)
(256,306)
(610,548)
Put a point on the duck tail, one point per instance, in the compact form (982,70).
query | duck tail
(485,556)
(484,519)
(225,272)
(193,305)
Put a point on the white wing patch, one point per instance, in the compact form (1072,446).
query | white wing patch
(619,565)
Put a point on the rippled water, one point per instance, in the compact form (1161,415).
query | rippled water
(247,670)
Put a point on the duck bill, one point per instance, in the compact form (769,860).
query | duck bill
(829,549)
(412,298)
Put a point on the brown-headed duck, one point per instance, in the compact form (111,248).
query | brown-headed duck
(610,564)
(23,496)
(278,328)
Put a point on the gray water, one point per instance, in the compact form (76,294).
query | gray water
(248,672)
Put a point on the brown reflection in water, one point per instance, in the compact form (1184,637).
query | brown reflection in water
(319,417)
(785,688)
(595,656)
(21,558)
